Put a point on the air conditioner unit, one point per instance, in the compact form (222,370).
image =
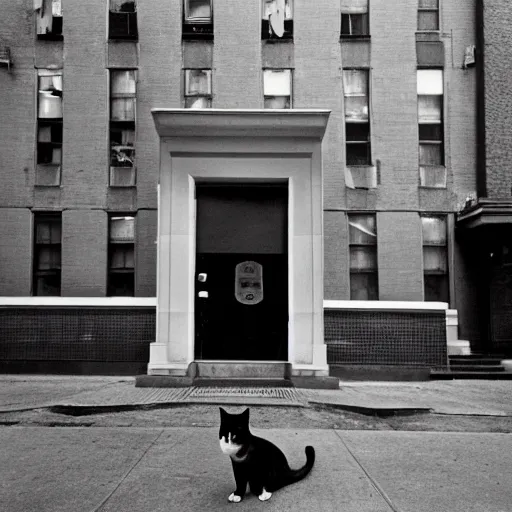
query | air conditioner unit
(5,57)
(469,56)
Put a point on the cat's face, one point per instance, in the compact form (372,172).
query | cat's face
(233,432)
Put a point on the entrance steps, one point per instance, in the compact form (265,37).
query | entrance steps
(242,373)
(475,366)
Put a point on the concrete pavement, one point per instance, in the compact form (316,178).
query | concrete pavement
(467,397)
(182,469)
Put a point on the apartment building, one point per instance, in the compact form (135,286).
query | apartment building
(80,156)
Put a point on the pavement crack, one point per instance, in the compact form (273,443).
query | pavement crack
(372,480)
(127,474)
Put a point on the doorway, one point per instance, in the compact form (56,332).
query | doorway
(241,274)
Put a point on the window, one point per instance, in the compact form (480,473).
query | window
(428,15)
(122,20)
(277,88)
(121,268)
(363,257)
(49,127)
(357,118)
(47,254)
(198,88)
(122,127)
(277,19)
(48,19)
(430,117)
(197,19)
(435,258)
(354,18)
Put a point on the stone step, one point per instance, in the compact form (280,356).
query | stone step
(224,382)
(242,370)
(476,367)
(480,361)
(449,375)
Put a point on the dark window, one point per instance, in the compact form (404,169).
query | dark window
(354,18)
(197,19)
(430,117)
(48,19)
(428,15)
(122,127)
(363,257)
(276,25)
(357,117)
(121,256)
(49,127)
(47,254)
(122,20)
(435,258)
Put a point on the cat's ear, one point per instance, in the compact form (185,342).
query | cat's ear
(245,415)
(223,413)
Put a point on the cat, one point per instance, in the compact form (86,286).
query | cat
(256,461)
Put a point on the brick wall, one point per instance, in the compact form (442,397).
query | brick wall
(84,253)
(237,78)
(145,253)
(15,251)
(498,90)
(400,258)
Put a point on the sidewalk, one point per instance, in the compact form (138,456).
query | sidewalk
(464,397)
(182,469)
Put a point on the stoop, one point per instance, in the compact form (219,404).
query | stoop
(236,374)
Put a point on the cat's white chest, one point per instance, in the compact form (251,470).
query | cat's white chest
(228,446)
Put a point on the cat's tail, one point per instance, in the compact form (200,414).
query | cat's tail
(299,474)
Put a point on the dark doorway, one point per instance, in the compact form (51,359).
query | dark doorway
(241,287)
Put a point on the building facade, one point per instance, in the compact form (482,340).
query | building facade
(402,152)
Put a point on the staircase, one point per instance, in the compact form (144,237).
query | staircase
(475,366)
(242,373)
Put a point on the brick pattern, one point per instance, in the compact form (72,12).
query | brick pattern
(15,251)
(498,90)
(237,80)
(400,259)
(336,256)
(84,253)
(145,253)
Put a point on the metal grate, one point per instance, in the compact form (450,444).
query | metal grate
(386,337)
(285,393)
(76,334)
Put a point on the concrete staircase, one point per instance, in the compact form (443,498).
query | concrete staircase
(242,373)
(475,366)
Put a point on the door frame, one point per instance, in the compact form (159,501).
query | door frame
(240,146)
(237,184)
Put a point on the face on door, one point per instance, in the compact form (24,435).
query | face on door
(241,304)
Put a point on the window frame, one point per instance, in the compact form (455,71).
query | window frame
(48,173)
(349,15)
(196,28)
(119,19)
(120,175)
(113,272)
(269,97)
(422,10)
(436,275)
(208,96)
(351,122)
(267,34)
(55,33)
(438,142)
(372,294)
(52,219)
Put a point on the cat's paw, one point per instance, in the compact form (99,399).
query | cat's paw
(264,496)
(234,498)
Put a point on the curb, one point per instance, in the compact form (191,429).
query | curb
(381,412)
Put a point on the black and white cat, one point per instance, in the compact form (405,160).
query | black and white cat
(256,461)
